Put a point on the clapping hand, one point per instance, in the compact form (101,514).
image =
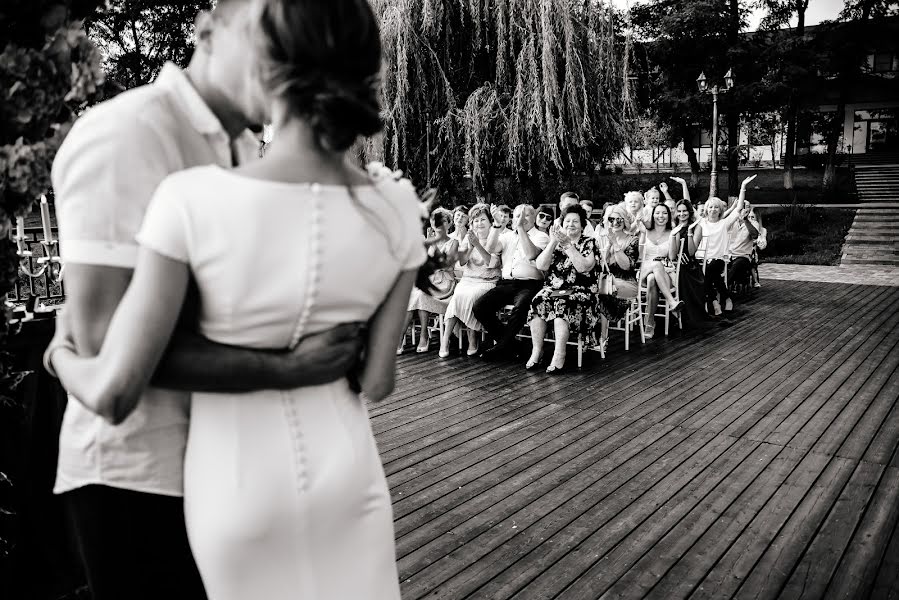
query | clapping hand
(561,238)
(516,221)
(472,239)
(663,187)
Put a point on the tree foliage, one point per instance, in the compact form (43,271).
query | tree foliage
(523,86)
(138,36)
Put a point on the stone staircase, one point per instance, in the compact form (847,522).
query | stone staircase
(877,182)
(873,238)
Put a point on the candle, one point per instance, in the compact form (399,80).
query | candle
(20,233)
(45,219)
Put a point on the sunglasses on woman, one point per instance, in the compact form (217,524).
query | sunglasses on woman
(615,220)
(544,216)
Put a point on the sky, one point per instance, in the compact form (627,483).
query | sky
(818,10)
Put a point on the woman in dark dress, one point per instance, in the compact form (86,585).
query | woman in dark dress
(691,283)
(567,297)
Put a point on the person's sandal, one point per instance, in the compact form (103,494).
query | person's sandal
(533,365)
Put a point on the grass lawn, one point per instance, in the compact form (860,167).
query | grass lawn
(767,188)
(807,236)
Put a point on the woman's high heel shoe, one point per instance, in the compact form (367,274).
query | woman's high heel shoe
(532,365)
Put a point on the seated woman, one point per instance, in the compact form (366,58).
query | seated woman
(459,233)
(659,251)
(544,219)
(619,252)
(715,228)
(761,243)
(480,273)
(691,283)
(567,298)
(442,280)
(741,238)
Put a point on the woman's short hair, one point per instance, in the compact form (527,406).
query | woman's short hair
(578,210)
(545,210)
(441,216)
(461,208)
(478,210)
(652,217)
(324,59)
(721,204)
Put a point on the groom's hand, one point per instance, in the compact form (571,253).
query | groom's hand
(327,356)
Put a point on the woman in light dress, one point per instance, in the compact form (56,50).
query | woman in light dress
(285,495)
(659,254)
(480,272)
(434,301)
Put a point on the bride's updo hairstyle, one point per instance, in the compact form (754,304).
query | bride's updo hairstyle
(324,58)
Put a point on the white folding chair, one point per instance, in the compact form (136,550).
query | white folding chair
(435,323)
(578,343)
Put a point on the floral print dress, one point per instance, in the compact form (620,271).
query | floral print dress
(568,294)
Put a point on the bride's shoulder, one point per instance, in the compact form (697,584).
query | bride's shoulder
(187,181)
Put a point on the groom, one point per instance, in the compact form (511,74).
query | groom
(123,484)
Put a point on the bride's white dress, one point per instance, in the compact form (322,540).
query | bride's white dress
(285,495)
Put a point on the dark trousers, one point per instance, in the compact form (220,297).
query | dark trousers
(518,293)
(714,281)
(738,270)
(133,545)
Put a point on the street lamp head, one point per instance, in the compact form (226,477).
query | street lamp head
(729,79)
(702,82)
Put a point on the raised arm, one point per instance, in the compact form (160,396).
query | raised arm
(734,211)
(493,243)
(683,186)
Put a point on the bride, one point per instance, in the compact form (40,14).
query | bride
(285,495)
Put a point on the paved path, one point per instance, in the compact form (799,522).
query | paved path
(856,274)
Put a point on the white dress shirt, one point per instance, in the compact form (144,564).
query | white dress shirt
(104,176)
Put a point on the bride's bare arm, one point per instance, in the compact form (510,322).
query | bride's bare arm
(378,375)
(112,382)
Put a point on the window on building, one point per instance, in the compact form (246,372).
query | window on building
(884,62)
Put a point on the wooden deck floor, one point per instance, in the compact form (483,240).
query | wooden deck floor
(757,460)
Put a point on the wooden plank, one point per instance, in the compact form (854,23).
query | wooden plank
(886,585)
(816,385)
(469,541)
(730,570)
(813,572)
(589,544)
(687,570)
(761,417)
(634,567)
(855,575)
(775,564)
(513,564)
(508,483)
(838,388)
(744,405)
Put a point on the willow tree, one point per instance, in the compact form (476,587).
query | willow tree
(482,87)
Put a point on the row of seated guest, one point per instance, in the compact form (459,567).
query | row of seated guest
(570,260)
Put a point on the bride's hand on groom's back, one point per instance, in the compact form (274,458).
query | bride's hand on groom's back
(327,356)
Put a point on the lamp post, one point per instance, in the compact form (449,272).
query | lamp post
(703,84)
